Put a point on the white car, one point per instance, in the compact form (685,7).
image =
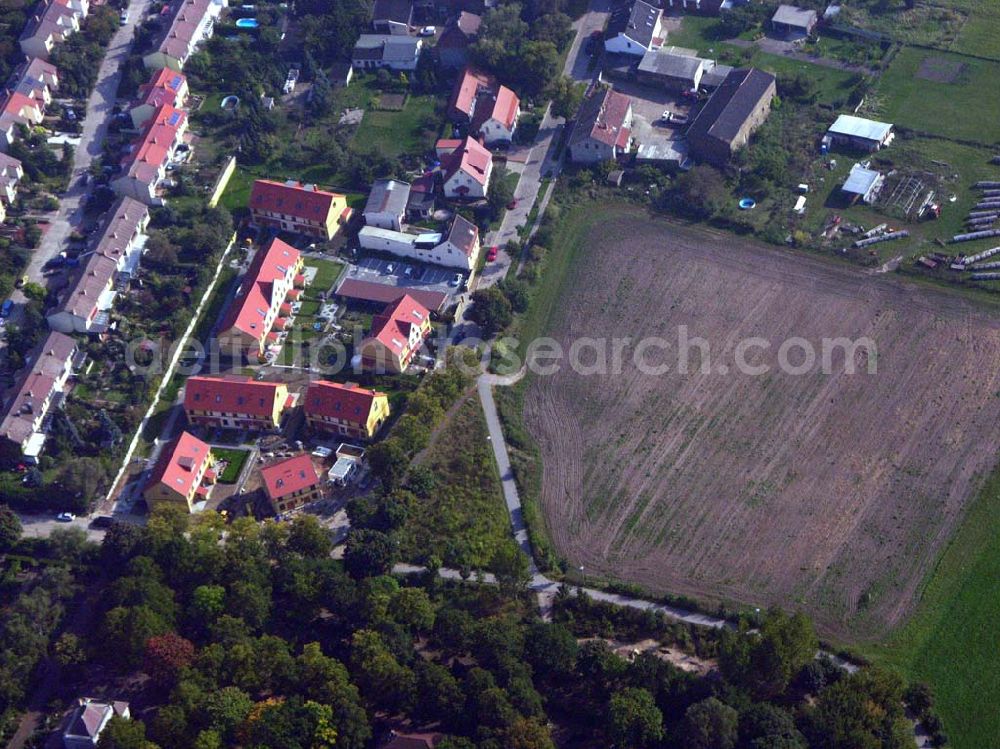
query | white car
(457,280)
(65,517)
(428,31)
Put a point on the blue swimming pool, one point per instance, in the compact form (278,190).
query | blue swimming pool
(247,23)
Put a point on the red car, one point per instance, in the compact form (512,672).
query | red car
(512,204)
(491,255)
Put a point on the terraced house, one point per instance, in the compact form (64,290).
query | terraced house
(51,23)
(193,22)
(85,307)
(268,282)
(11,173)
(301,209)
(146,164)
(235,402)
(182,476)
(396,336)
(26,415)
(291,483)
(346,410)
(165,86)
(29,92)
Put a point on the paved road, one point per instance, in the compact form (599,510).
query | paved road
(100,108)
(577,64)
(41,526)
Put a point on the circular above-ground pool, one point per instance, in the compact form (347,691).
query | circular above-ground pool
(747,203)
(247,23)
(230,103)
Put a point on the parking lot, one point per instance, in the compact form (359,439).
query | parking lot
(406,274)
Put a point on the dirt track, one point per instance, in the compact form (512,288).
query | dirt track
(830,492)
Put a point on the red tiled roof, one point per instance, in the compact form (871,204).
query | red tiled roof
(293,198)
(162,88)
(178,465)
(333,400)
(288,476)
(392,327)
(467,87)
(253,300)
(231,394)
(16,102)
(369,291)
(505,107)
(471,157)
(152,150)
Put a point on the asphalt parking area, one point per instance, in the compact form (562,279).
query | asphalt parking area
(404,273)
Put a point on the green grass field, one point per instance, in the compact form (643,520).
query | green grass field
(967,108)
(235,460)
(952,641)
(328,272)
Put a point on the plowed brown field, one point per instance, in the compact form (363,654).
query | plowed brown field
(831,493)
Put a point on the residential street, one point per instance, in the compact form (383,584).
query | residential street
(100,108)
(41,526)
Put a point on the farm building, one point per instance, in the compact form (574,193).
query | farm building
(863,184)
(392,16)
(291,483)
(635,30)
(673,70)
(393,51)
(453,45)
(737,108)
(603,128)
(790,20)
(857,132)
(386,204)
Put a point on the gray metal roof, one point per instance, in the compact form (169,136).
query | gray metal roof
(656,62)
(860,180)
(388,196)
(858,127)
(790,15)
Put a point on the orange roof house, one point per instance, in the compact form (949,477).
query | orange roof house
(490,109)
(182,476)
(235,402)
(396,335)
(346,410)
(467,170)
(146,164)
(301,209)
(291,483)
(165,86)
(472,82)
(267,283)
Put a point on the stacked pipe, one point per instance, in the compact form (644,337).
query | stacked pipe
(883,238)
(986,266)
(985,276)
(968,237)
(987,185)
(979,256)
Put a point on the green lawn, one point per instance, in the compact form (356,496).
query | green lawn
(967,108)
(952,641)
(980,35)
(235,460)
(328,272)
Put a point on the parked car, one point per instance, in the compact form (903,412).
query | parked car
(428,31)
(21,281)
(65,517)
(102,521)
(456,281)
(123,17)
(491,255)
(7,308)
(512,204)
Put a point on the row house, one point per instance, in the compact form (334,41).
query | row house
(298,208)
(345,410)
(11,174)
(165,87)
(27,94)
(269,281)
(146,163)
(397,334)
(183,475)
(51,23)
(84,307)
(291,483)
(193,22)
(25,416)
(236,402)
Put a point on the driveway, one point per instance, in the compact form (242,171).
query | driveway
(100,108)
(578,61)
(41,526)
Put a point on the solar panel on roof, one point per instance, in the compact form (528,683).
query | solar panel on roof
(175,82)
(174,118)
